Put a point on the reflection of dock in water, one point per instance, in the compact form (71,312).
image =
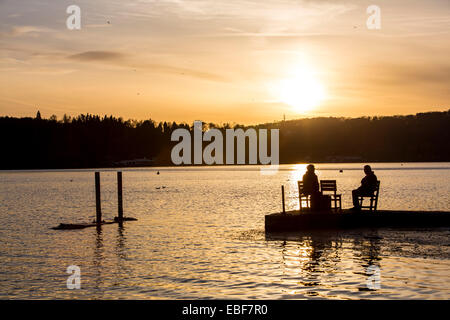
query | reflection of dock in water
(314,264)
(348,219)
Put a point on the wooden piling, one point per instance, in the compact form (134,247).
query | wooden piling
(119,196)
(98,221)
(97,198)
(282,198)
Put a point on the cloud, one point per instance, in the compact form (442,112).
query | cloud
(125,61)
(98,25)
(420,81)
(185,72)
(97,56)
(18,31)
(415,74)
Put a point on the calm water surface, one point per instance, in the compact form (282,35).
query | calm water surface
(202,236)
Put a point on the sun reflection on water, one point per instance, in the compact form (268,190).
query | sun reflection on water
(311,261)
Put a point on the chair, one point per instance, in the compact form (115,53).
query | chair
(373,199)
(303,197)
(330,185)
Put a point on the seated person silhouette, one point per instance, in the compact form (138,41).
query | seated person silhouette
(367,188)
(311,185)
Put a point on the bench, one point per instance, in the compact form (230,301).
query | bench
(331,186)
(373,199)
(302,197)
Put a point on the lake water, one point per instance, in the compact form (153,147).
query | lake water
(200,235)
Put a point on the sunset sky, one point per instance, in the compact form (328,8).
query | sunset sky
(244,61)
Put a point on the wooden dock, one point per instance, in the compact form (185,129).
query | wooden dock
(74,226)
(348,219)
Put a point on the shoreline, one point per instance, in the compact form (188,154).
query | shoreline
(215,166)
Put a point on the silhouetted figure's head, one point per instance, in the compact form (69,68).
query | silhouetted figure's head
(310,168)
(367,169)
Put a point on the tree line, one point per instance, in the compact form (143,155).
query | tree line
(89,141)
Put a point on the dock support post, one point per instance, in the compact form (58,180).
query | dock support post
(97,198)
(119,196)
(282,198)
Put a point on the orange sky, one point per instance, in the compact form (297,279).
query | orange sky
(224,60)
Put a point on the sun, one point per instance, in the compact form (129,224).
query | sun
(302,92)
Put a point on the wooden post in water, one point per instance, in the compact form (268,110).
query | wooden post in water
(282,198)
(98,206)
(119,196)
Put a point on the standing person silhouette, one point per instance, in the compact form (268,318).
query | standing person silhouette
(311,185)
(367,188)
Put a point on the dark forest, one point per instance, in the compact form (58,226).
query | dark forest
(90,141)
